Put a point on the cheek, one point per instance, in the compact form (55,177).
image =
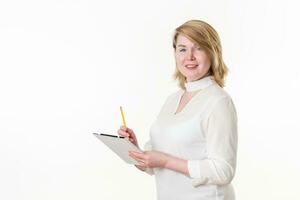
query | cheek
(205,63)
(203,60)
(179,60)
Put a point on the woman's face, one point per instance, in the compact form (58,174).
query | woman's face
(191,60)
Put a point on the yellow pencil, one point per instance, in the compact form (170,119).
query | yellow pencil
(123,118)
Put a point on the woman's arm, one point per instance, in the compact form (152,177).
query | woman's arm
(152,159)
(221,140)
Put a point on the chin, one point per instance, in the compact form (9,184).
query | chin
(193,78)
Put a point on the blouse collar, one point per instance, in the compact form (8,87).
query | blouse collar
(199,84)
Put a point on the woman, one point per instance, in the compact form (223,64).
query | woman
(193,142)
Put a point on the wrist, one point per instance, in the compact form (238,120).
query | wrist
(176,164)
(168,162)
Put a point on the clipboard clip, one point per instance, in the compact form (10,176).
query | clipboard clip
(115,136)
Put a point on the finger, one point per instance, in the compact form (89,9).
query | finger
(136,158)
(133,156)
(137,155)
(142,164)
(140,161)
(129,130)
(131,140)
(125,129)
(123,133)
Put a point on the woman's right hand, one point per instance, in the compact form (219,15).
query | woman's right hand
(128,133)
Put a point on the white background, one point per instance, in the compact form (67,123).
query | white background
(67,66)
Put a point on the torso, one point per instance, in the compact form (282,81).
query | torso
(180,130)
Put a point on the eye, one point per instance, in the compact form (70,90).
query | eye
(199,49)
(182,50)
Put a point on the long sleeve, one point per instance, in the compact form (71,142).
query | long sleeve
(221,139)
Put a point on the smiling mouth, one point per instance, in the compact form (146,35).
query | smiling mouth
(191,66)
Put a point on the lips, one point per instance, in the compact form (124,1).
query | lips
(191,66)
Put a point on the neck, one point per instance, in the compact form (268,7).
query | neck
(200,84)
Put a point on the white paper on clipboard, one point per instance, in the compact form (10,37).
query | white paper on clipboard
(120,146)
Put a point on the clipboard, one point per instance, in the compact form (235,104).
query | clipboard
(119,145)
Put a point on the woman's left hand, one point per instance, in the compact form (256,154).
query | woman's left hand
(150,159)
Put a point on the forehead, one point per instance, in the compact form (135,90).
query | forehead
(182,40)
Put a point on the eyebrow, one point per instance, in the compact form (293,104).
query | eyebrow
(181,45)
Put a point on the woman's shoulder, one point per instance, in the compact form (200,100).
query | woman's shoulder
(218,92)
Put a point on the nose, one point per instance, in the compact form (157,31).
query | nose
(190,55)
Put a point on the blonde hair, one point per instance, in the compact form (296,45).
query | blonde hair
(206,37)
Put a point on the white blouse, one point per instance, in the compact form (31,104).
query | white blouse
(204,133)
